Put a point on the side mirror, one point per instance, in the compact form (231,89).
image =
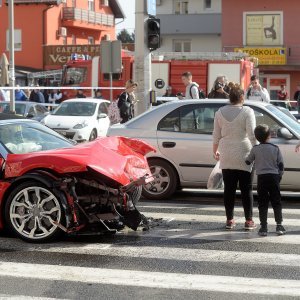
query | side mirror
(284,133)
(102,116)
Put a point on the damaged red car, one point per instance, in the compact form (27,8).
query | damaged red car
(49,186)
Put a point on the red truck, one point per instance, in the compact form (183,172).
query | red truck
(168,68)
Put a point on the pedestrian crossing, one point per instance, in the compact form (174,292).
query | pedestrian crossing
(185,254)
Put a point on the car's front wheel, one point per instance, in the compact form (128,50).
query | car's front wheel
(32,212)
(93,135)
(164,182)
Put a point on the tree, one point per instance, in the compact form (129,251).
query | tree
(125,37)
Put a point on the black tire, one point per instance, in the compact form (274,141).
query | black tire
(136,194)
(38,228)
(93,135)
(160,188)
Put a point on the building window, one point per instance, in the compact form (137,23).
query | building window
(91,40)
(18,39)
(181,7)
(182,46)
(104,3)
(207,4)
(91,5)
(73,39)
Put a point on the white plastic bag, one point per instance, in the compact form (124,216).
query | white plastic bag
(215,179)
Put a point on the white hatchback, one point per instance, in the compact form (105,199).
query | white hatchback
(80,119)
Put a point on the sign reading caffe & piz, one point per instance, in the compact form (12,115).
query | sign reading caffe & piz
(61,54)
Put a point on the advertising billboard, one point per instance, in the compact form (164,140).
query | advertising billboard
(263,29)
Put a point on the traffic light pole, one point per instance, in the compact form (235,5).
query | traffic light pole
(142,59)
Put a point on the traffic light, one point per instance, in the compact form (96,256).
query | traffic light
(153,33)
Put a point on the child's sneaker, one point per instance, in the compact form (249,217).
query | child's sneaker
(263,231)
(230,224)
(249,225)
(280,230)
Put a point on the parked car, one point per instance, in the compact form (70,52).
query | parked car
(30,110)
(48,185)
(181,131)
(80,119)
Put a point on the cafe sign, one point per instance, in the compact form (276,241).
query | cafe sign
(266,56)
(61,54)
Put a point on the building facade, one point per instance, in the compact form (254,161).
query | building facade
(190,25)
(268,30)
(47,32)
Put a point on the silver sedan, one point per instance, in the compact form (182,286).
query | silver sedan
(181,131)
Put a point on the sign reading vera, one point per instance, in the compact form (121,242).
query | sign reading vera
(59,55)
(266,56)
(263,29)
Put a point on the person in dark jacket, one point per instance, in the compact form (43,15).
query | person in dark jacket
(80,94)
(125,103)
(37,96)
(220,89)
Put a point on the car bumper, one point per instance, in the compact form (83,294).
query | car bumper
(78,135)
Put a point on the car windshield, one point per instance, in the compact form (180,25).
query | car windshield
(74,75)
(82,108)
(293,124)
(20,108)
(27,137)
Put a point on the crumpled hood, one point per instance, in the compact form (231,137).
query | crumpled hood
(118,158)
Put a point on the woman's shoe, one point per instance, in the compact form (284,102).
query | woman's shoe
(249,225)
(230,224)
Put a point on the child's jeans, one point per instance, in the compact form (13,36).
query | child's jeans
(268,189)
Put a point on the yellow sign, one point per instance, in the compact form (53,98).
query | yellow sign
(263,29)
(266,56)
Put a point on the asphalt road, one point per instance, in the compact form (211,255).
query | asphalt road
(186,255)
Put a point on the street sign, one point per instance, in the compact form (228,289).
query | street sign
(159,83)
(111,56)
(151,7)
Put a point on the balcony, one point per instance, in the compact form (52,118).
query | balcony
(191,24)
(75,16)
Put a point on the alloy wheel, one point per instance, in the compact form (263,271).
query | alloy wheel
(34,212)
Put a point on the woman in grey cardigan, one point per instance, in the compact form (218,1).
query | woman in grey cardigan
(233,138)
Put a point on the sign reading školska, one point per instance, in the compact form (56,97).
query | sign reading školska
(59,55)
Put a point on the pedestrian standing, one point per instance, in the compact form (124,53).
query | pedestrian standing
(297,97)
(19,94)
(256,92)
(113,112)
(98,94)
(233,138)
(269,170)
(37,96)
(220,89)
(80,94)
(169,92)
(282,94)
(126,102)
(55,96)
(192,90)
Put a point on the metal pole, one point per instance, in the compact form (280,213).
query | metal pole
(111,85)
(11,54)
(142,59)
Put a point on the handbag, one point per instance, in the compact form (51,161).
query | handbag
(215,179)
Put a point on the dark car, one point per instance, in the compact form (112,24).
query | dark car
(30,110)
(49,186)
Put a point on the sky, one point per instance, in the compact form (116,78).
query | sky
(128,7)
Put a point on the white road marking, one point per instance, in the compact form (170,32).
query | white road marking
(19,297)
(213,208)
(212,218)
(179,254)
(152,279)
